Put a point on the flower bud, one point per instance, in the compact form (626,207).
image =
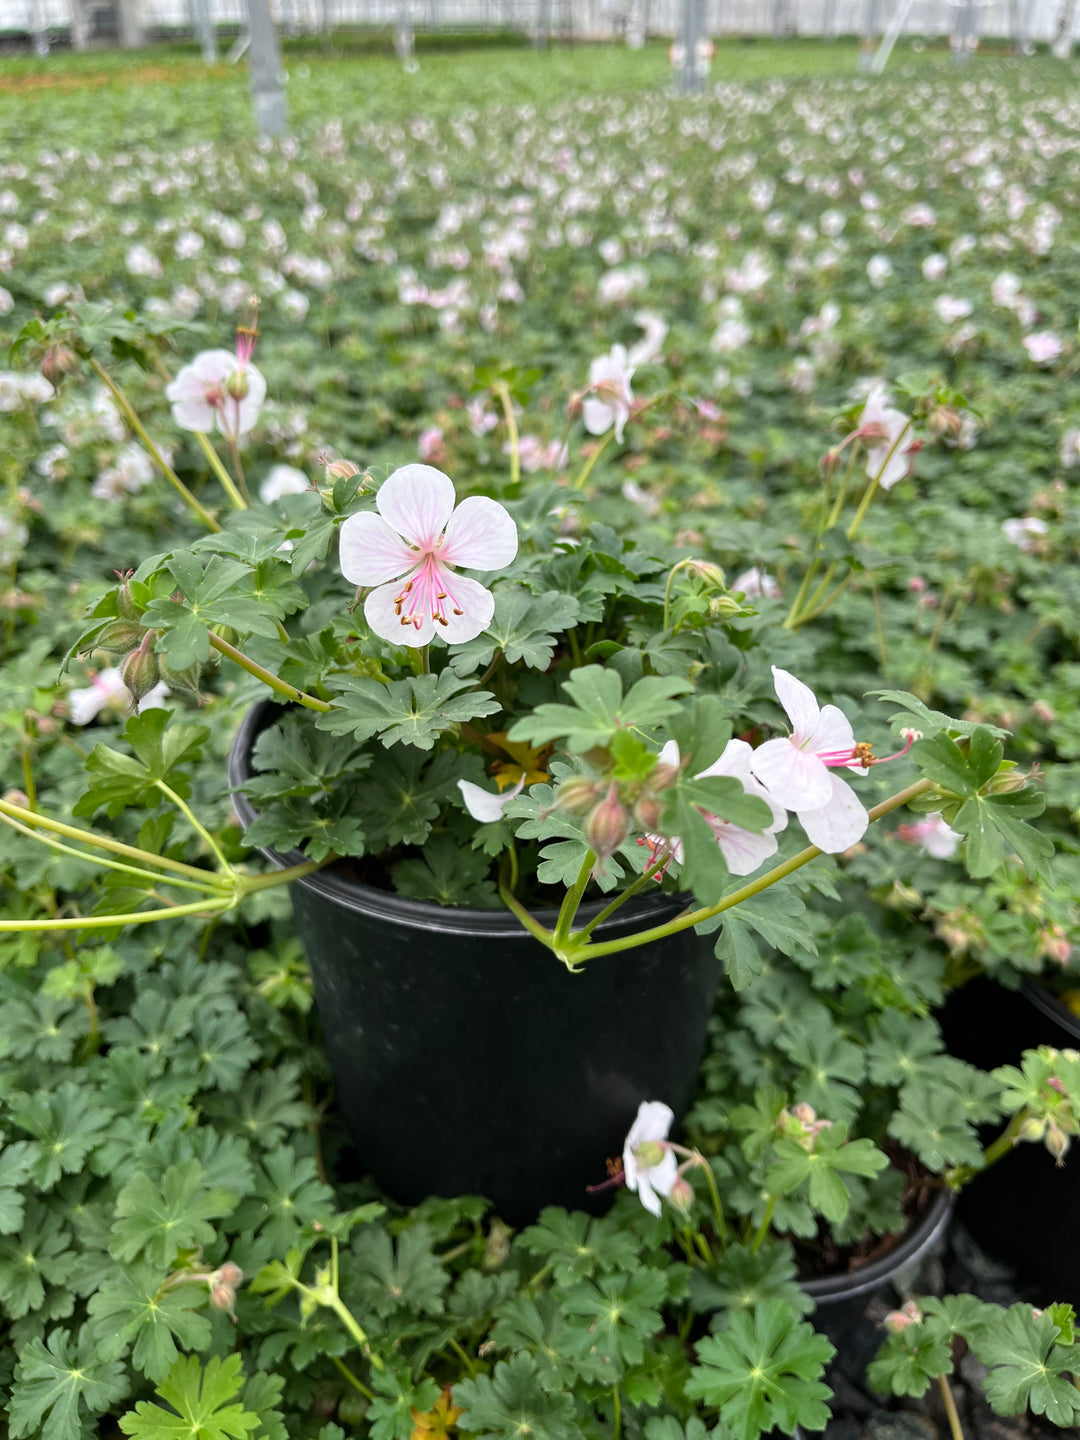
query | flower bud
(1031,1128)
(647,812)
(140,670)
(237,385)
(58,361)
(126,607)
(1009,781)
(575,795)
(662,776)
(681,1195)
(1057,1142)
(898,1320)
(341,469)
(119,637)
(607,825)
(222,1297)
(230,1274)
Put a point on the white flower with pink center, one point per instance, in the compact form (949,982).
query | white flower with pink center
(799,770)
(610,398)
(649,1166)
(411,551)
(743,850)
(218,389)
(933,837)
(886,431)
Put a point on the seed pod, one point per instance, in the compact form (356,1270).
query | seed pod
(575,795)
(647,813)
(608,825)
(140,671)
(237,385)
(126,607)
(186,679)
(118,637)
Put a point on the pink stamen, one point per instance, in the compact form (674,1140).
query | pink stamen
(428,592)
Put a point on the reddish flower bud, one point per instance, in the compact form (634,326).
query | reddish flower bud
(608,825)
(681,1194)
(223,1297)
(230,1274)
(647,812)
(140,670)
(575,795)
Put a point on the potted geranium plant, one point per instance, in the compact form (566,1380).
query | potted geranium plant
(512,803)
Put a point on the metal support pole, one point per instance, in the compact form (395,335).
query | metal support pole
(542,37)
(965,35)
(871,30)
(1063,32)
(267,76)
(404,37)
(689,80)
(203,26)
(80,26)
(129,22)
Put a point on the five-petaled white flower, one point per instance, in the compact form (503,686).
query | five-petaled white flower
(411,551)
(650,1168)
(743,850)
(219,388)
(611,398)
(886,455)
(799,770)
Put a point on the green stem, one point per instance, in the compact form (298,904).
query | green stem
(108,922)
(689,918)
(587,468)
(463,1355)
(616,1419)
(624,895)
(152,450)
(841,494)
(234,450)
(335,1303)
(507,401)
(1003,1145)
(816,610)
(238,501)
(761,1234)
(679,565)
(351,1378)
(208,887)
(196,825)
(28,773)
(956,1430)
(718,1209)
(875,481)
(572,899)
(531,924)
(248,884)
(279,686)
(103,842)
(879,628)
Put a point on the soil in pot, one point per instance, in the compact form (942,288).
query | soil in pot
(467,1059)
(1025,1209)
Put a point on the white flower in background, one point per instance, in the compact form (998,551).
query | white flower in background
(13,538)
(832,223)
(1070,448)
(744,851)
(131,469)
(187,245)
(7,301)
(53,462)
(1022,530)
(186,302)
(141,261)
(650,1168)
(730,335)
(934,266)
(610,399)
(218,388)
(757,584)
(649,347)
(1005,289)
(638,495)
(16,386)
(933,837)
(886,455)
(799,770)
(950,309)
(482,805)
(616,285)
(107,691)
(282,480)
(536,454)
(411,551)
(295,304)
(920,215)
(1043,347)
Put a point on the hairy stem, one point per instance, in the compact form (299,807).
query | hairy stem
(227,484)
(279,686)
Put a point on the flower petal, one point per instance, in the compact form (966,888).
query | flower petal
(370,552)
(669,755)
(836,826)
(417,501)
(798,700)
(473,600)
(380,612)
(482,805)
(653,1121)
(832,733)
(597,416)
(480,535)
(795,778)
(743,851)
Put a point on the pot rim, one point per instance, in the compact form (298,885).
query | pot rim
(917,1241)
(361,899)
(1048,1003)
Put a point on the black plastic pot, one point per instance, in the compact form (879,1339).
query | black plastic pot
(1024,1210)
(850,1307)
(467,1059)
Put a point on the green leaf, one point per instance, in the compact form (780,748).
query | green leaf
(817,1173)
(67,1125)
(513,1403)
(561,1354)
(526,628)
(54,1384)
(15,1164)
(1028,1366)
(764,1372)
(386,1276)
(911,1359)
(599,709)
(205,1404)
(408,712)
(915,715)
(447,874)
(743,1279)
(132,1306)
(576,1246)
(390,1413)
(161,1220)
(934,1126)
(162,745)
(623,1311)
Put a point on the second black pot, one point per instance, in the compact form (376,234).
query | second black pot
(467,1059)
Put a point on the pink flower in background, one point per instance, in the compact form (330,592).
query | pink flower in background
(799,770)
(411,551)
(1043,347)
(430,445)
(757,584)
(481,420)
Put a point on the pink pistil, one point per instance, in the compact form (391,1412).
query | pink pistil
(862,754)
(427,592)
